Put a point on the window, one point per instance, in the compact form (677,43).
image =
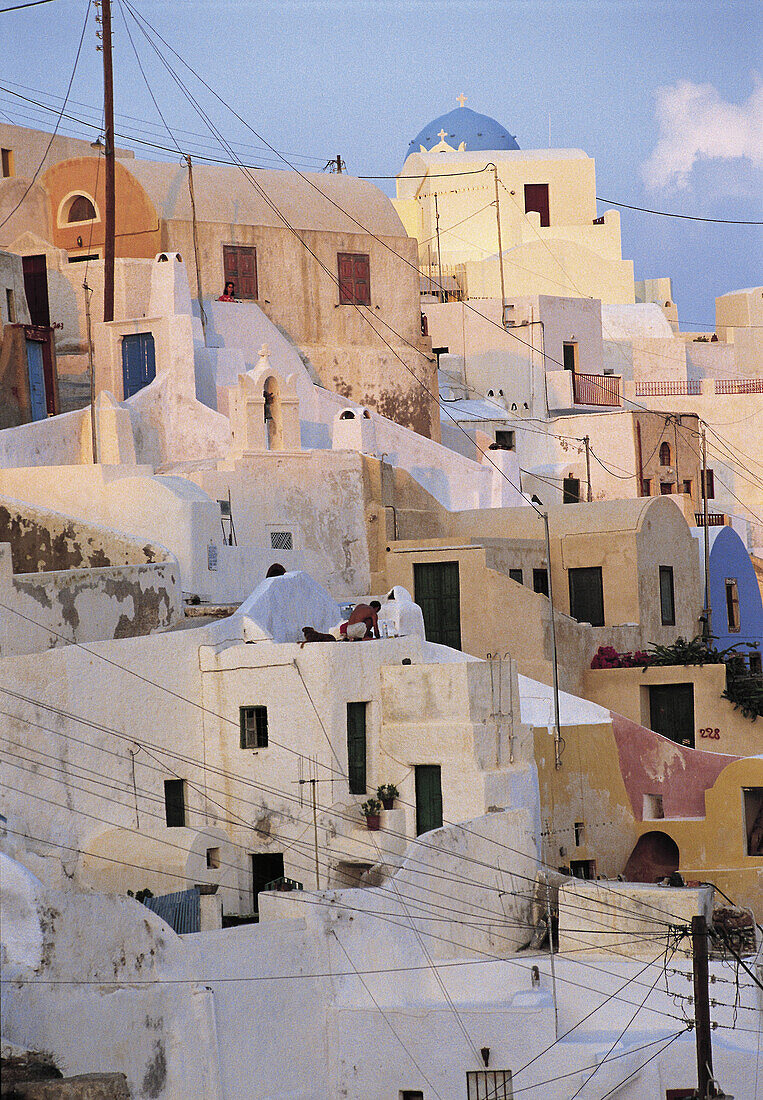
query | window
(587,595)
(536,198)
(213,858)
(652,808)
(570,356)
(428,797)
(489,1084)
(579,828)
(354,278)
(516,575)
(281,540)
(253,727)
(10,305)
(666,488)
(81,209)
(583,868)
(411,1094)
(6,160)
(732,606)
(540,581)
(710,494)
(356,747)
(756,664)
(505,440)
(436,589)
(646,487)
(664,454)
(671,712)
(240,268)
(686,487)
(571,490)
(667,596)
(174,803)
(753,820)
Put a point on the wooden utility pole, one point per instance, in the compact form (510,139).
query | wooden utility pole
(108,116)
(706,624)
(587,441)
(199,291)
(555,670)
(439,253)
(91,365)
(702,1009)
(500,246)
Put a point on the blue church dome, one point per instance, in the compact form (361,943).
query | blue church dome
(463,125)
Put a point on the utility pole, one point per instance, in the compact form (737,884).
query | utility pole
(108,116)
(439,253)
(91,364)
(702,1009)
(555,670)
(199,292)
(500,246)
(587,441)
(706,624)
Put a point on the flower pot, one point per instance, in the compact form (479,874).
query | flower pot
(372,822)
(388,803)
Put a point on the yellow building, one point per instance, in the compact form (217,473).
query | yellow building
(552,240)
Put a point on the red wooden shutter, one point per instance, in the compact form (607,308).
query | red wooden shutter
(362,280)
(240,264)
(346,278)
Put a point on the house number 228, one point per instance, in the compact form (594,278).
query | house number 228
(714,734)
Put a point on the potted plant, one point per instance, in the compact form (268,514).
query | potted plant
(388,792)
(371,810)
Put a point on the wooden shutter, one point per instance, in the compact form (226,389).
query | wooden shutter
(437,591)
(587,595)
(36,288)
(240,266)
(362,279)
(354,270)
(428,798)
(356,747)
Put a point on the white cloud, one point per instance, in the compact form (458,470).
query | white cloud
(695,122)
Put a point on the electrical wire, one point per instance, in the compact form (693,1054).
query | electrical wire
(31,183)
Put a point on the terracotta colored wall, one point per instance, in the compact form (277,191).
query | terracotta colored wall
(137,225)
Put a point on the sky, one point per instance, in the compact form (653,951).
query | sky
(666,96)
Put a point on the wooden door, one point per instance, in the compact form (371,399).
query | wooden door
(37,398)
(428,798)
(36,288)
(437,592)
(138,362)
(671,711)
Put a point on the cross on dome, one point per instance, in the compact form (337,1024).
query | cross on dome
(461,99)
(442,135)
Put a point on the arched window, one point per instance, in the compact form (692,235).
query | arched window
(81,210)
(664,454)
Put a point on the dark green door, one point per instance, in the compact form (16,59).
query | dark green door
(356,747)
(437,592)
(671,711)
(428,798)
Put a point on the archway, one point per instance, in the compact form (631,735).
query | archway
(654,857)
(273,418)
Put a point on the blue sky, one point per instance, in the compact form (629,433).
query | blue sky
(665,95)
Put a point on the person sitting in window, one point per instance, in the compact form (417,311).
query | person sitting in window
(229,294)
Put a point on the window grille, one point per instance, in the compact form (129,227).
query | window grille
(489,1084)
(281,540)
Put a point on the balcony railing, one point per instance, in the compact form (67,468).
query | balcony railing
(739,385)
(597,389)
(714,519)
(683,388)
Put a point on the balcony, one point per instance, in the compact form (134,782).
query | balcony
(680,388)
(597,389)
(714,519)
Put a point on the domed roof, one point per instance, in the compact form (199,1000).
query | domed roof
(463,128)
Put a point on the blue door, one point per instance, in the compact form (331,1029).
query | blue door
(39,407)
(138,362)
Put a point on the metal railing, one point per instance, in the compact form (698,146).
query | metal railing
(739,385)
(597,389)
(283,884)
(714,519)
(682,388)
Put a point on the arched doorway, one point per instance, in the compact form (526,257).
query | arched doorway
(654,857)
(273,418)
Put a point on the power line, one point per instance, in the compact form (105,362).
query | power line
(684,217)
(8,216)
(28,4)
